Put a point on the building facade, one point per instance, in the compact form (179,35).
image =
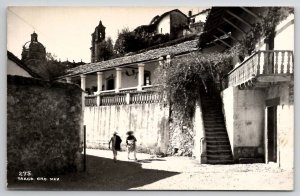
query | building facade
(257,96)
(121,90)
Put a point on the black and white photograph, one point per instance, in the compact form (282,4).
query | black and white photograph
(124,98)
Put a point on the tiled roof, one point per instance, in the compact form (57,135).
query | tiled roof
(174,50)
(16,60)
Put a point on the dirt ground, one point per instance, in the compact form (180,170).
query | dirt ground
(167,173)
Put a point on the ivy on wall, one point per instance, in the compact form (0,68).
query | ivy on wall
(264,28)
(181,79)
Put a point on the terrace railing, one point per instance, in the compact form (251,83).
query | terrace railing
(125,96)
(90,100)
(262,63)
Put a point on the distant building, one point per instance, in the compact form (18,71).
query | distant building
(34,56)
(172,23)
(197,21)
(97,38)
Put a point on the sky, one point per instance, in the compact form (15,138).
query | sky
(66,31)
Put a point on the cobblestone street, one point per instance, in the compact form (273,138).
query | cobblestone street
(168,173)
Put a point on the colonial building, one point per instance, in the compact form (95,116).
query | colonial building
(123,89)
(257,97)
(251,120)
(34,56)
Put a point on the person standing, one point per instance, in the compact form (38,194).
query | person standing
(131,144)
(116,145)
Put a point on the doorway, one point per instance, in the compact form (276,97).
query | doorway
(272,133)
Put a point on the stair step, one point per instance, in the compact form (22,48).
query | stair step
(211,125)
(219,151)
(216,138)
(219,157)
(218,147)
(220,142)
(213,118)
(214,128)
(213,114)
(214,133)
(221,162)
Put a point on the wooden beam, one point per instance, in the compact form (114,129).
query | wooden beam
(239,18)
(251,13)
(222,41)
(229,34)
(238,28)
(214,42)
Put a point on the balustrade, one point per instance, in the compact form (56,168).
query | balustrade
(126,96)
(90,100)
(269,62)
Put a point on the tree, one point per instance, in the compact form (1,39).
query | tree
(141,38)
(105,51)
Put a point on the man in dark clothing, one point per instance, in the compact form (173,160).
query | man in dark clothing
(116,145)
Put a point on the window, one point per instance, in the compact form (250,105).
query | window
(110,84)
(147,78)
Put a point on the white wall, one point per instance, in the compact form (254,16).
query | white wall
(14,69)
(201,17)
(164,26)
(244,117)
(285,124)
(284,39)
(151,128)
(199,132)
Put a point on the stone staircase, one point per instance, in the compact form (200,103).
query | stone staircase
(217,142)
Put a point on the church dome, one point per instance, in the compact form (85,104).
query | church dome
(33,49)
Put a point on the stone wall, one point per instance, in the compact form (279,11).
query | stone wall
(44,123)
(149,121)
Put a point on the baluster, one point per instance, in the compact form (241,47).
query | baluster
(271,63)
(258,63)
(288,63)
(282,62)
(276,62)
(143,98)
(241,75)
(248,69)
(266,64)
(292,64)
(235,77)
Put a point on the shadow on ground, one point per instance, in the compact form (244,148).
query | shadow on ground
(102,174)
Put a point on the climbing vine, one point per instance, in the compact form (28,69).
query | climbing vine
(270,17)
(182,78)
